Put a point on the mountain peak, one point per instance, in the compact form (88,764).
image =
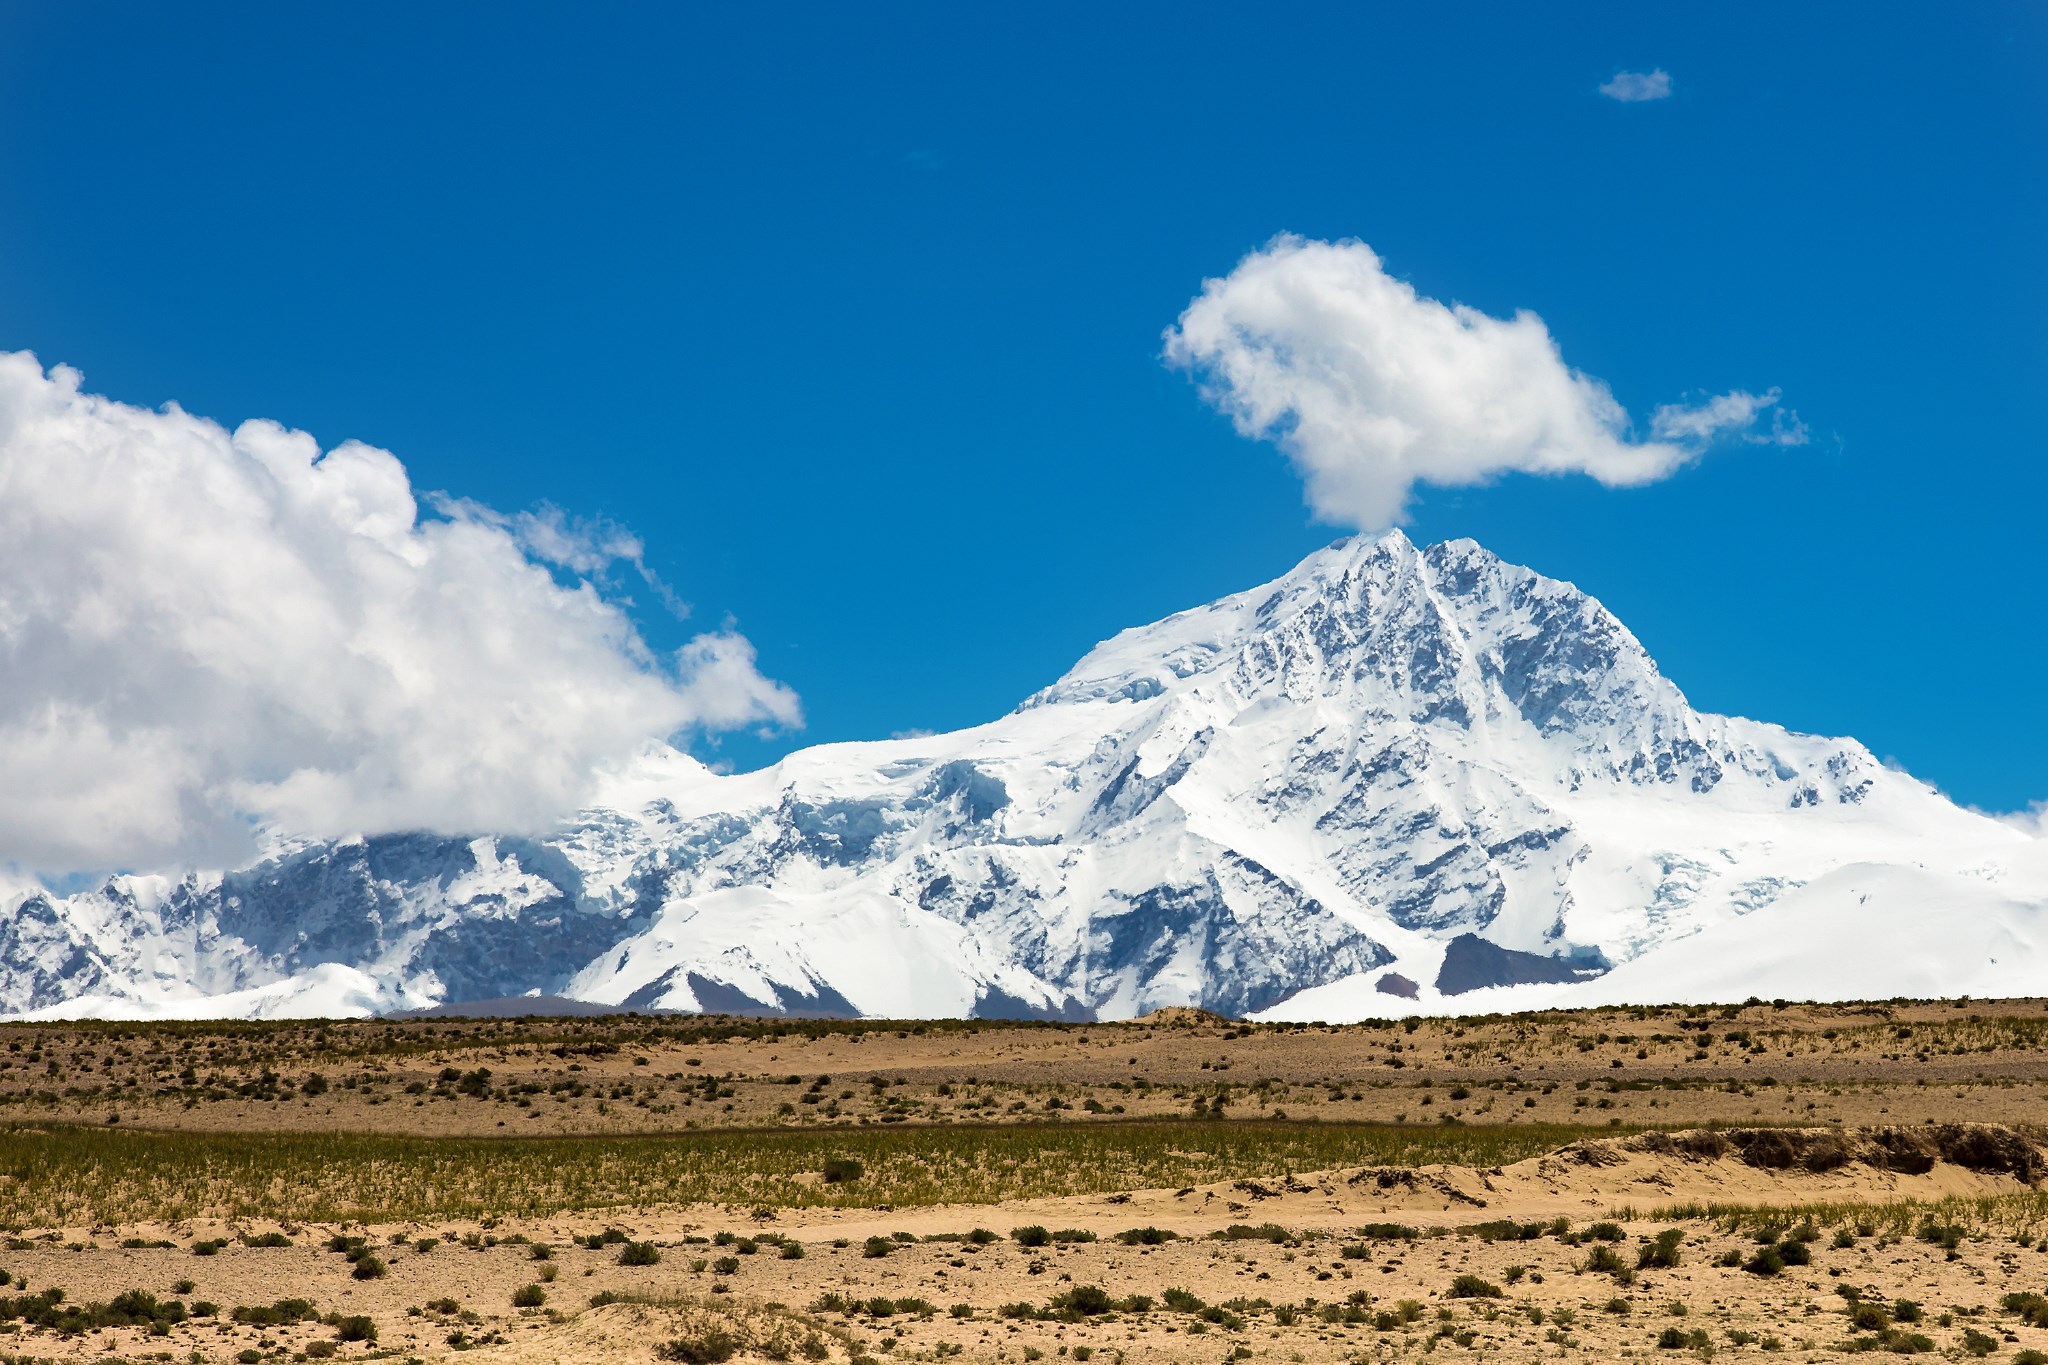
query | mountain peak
(1423,761)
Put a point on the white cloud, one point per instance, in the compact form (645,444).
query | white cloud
(1731,414)
(1372,388)
(2033,821)
(1634,87)
(201,630)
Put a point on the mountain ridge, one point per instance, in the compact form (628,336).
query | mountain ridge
(1423,763)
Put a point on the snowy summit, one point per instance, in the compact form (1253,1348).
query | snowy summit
(1394,780)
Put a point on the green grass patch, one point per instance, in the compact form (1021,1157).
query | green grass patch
(2021,1211)
(66,1176)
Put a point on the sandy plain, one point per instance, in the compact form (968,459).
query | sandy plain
(1790,1181)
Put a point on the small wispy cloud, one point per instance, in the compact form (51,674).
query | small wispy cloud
(2032,821)
(1730,414)
(1636,87)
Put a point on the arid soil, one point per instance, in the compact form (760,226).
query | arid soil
(1336,1266)
(1790,1181)
(1761,1063)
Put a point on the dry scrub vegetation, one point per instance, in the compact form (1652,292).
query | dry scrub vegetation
(1769,1062)
(1785,1180)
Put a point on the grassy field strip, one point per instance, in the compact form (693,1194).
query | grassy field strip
(71,1176)
(2022,1211)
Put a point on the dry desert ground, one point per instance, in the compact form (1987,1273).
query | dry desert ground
(1792,1181)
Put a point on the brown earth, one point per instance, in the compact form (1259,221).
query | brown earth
(1317,1268)
(1860,1123)
(1864,1064)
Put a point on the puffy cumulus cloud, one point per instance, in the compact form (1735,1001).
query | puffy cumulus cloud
(1372,388)
(1635,87)
(203,631)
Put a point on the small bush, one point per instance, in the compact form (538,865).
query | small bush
(1033,1236)
(876,1247)
(1767,1261)
(709,1347)
(1146,1236)
(1388,1232)
(639,1253)
(529,1296)
(1246,1232)
(369,1267)
(1662,1253)
(355,1328)
(1472,1287)
(1084,1300)
(840,1169)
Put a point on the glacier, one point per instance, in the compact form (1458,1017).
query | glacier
(1395,780)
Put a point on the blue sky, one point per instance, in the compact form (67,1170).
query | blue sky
(854,316)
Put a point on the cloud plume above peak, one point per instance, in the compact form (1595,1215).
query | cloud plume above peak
(1372,388)
(203,631)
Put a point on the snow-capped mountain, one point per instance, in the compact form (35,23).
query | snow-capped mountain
(1394,779)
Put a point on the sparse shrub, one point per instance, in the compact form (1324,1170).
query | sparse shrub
(711,1346)
(1473,1287)
(639,1253)
(1388,1232)
(1146,1236)
(1661,1253)
(1767,1261)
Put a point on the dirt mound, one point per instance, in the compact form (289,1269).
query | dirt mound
(1988,1149)
(1386,1180)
